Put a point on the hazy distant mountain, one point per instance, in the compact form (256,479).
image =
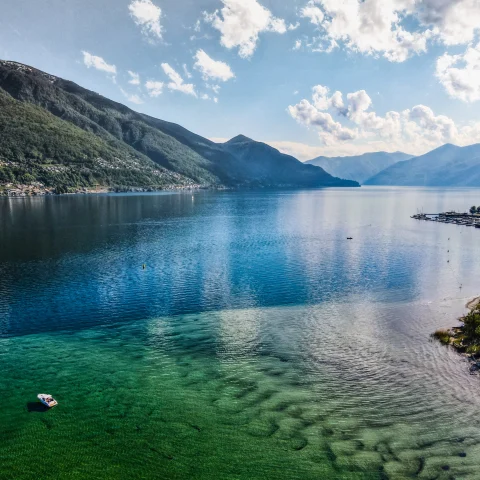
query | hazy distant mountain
(61,134)
(358,167)
(448,165)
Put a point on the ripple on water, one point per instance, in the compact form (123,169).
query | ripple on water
(170,394)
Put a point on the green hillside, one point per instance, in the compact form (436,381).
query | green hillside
(64,136)
(38,147)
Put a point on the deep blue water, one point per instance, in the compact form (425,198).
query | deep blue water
(77,261)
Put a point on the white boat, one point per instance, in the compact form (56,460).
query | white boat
(47,400)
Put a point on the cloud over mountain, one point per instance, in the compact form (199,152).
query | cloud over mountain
(417,128)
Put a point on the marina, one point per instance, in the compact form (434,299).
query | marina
(464,219)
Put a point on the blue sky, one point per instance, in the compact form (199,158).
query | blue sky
(310,77)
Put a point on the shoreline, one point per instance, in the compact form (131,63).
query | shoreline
(465,339)
(471,304)
(27,192)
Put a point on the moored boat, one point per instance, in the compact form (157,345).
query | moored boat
(47,400)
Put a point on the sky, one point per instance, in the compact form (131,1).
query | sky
(309,77)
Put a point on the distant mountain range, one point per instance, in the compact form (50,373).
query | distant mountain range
(448,165)
(60,135)
(359,167)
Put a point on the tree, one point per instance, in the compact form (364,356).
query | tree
(478,210)
(473,210)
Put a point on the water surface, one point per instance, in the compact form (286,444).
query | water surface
(257,342)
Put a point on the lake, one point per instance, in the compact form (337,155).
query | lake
(237,335)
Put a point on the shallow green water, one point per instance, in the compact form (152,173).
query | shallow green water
(177,398)
(321,368)
(147,400)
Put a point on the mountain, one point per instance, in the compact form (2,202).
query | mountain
(67,137)
(448,165)
(270,167)
(359,167)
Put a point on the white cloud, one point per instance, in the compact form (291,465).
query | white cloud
(454,21)
(395,29)
(147,16)
(214,88)
(212,69)
(134,78)
(98,63)
(414,130)
(176,81)
(155,89)
(298,45)
(329,131)
(312,12)
(186,71)
(460,74)
(372,27)
(132,98)
(240,22)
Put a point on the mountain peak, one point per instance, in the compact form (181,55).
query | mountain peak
(240,139)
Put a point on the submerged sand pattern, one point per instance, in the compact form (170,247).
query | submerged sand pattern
(223,394)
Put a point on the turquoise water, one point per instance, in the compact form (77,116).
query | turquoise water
(257,343)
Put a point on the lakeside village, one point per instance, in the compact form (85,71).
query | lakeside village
(470,219)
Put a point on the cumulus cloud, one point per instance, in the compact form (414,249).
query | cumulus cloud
(455,21)
(154,89)
(212,69)
(329,130)
(414,130)
(134,78)
(147,16)
(460,74)
(240,22)
(372,27)
(92,61)
(312,12)
(394,29)
(176,81)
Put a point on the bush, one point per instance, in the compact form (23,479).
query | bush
(443,336)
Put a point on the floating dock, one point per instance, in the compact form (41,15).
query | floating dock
(464,219)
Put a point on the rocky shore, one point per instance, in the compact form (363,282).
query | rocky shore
(465,338)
